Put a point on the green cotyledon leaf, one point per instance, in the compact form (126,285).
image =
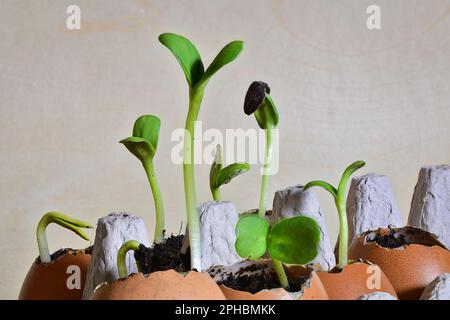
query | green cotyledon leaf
(347,174)
(231,171)
(251,236)
(187,55)
(216,166)
(294,240)
(144,141)
(229,53)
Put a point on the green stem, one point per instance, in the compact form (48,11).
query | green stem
(216,194)
(343,230)
(122,257)
(266,174)
(62,220)
(159,205)
(281,274)
(195,99)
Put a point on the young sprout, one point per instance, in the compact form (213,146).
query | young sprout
(258,102)
(143,144)
(219,176)
(339,196)
(122,255)
(197,78)
(292,240)
(62,220)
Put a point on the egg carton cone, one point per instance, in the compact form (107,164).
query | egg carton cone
(371,205)
(294,201)
(217,232)
(430,205)
(112,232)
(438,289)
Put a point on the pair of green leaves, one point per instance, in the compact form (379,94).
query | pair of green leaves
(292,240)
(219,176)
(191,63)
(340,191)
(144,141)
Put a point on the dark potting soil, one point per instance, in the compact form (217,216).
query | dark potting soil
(398,237)
(163,256)
(88,250)
(61,252)
(335,269)
(390,241)
(258,280)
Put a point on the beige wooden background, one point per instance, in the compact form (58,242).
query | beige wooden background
(344,93)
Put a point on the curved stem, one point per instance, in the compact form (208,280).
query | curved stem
(341,204)
(62,220)
(216,194)
(266,174)
(195,99)
(343,230)
(281,274)
(159,205)
(122,257)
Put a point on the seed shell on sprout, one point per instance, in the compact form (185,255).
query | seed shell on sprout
(255,96)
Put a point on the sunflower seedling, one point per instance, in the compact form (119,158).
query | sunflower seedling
(292,240)
(62,220)
(197,78)
(340,199)
(259,102)
(219,176)
(143,144)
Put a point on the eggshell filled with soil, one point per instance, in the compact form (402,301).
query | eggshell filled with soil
(161,285)
(62,279)
(410,257)
(354,280)
(311,287)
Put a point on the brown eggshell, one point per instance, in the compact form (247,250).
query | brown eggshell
(312,289)
(161,285)
(48,281)
(315,289)
(352,281)
(273,294)
(410,268)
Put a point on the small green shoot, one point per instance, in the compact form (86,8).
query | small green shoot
(143,144)
(219,176)
(258,102)
(340,200)
(62,220)
(122,257)
(197,78)
(292,240)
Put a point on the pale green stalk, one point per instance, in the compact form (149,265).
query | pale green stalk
(281,274)
(277,265)
(195,100)
(217,196)
(266,174)
(343,231)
